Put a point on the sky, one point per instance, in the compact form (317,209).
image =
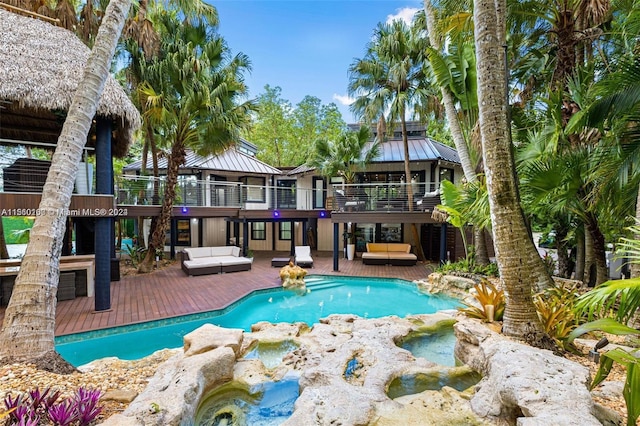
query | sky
(305,46)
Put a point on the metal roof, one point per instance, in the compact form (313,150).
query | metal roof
(392,151)
(420,149)
(230,160)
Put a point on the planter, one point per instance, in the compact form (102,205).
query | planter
(351,251)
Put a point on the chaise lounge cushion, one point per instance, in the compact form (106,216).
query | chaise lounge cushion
(213,260)
(389,253)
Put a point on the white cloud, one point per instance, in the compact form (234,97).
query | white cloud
(343,99)
(404,14)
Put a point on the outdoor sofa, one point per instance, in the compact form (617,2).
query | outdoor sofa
(398,254)
(214,260)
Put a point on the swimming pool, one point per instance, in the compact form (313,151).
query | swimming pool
(325,295)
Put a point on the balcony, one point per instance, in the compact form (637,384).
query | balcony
(379,197)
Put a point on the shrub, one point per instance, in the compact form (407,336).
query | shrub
(34,407)
(468,266)
(490,303)
(555,308)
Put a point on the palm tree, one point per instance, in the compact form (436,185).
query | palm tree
(194,104)
(455,73)
(615,113)
(518,260)
(390,80)
(346,156)
(28,329)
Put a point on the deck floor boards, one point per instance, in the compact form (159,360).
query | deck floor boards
(169,292)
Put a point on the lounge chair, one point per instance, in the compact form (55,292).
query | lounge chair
(303,256)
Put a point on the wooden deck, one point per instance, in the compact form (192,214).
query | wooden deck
(169,292)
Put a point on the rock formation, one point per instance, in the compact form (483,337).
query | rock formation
(345,365)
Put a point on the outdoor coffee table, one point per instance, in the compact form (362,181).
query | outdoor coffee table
(280,261)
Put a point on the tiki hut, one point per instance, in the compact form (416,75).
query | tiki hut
(42,66)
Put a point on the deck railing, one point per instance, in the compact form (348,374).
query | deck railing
(139,190)
(29,175)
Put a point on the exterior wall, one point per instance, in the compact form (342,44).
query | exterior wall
(324,235)
(214,232)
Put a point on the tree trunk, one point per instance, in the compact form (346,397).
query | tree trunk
(156,242)
(415,236)
(29,324)
(518,260)
(589,259)
(480,243)
(580,254)
(599,249)
(456,132)
(564,264)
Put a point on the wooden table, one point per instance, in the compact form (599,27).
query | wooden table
(280,261)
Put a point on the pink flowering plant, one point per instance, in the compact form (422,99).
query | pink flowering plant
(39,408)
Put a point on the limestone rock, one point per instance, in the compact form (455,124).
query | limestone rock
(447,407)
(119,395)
(209,337)
(446,284)
(521,383)
(173,394)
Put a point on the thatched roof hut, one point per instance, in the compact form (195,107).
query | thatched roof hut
(40,68)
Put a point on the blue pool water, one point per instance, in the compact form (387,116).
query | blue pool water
(326,295)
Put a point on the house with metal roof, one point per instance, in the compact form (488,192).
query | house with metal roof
(378,203)
(234,198)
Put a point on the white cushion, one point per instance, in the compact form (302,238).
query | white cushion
(196,252)
(221,251)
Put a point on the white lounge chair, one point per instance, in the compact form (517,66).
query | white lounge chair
(303,256)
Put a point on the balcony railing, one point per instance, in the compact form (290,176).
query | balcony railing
(386,196)
(139,190)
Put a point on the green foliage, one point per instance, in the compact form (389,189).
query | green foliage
(619,299)
(346,156)
(555,307)
(135,253)
(627,359)
(608,325)
(468,265)
(16,229)
(466,204)
(631,384)
(488,298)
(549,264)
(285,134)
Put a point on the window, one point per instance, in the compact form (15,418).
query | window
(255,190)
(187,191)
(391,232)
(258,231)
(319,193)
(285,231)
(446,174)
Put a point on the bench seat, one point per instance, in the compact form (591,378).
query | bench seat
(397,254)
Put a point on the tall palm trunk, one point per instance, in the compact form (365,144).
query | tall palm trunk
(518,260)
(156,242)
(599,248)
(459,140)
(580,253)
(407,172)
(28,330)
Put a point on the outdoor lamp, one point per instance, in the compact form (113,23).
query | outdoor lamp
(594,355)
